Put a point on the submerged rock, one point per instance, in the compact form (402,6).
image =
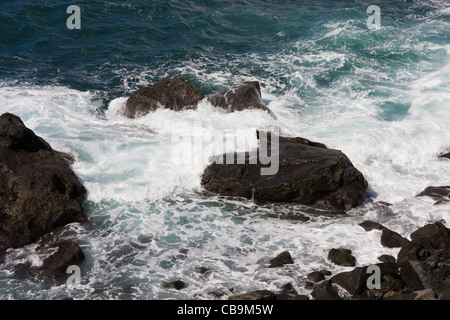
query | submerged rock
(342,257)
(242,97)
(280,260)
(38,190)
(439,194)
(55,266)
(174,94)
(370,225)
(308,173)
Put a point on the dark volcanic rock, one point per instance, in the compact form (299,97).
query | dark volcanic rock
(387,258)
(174,94)
(55,266)
(316,276)
(308,174)
(355,281)
(342,257)
(392,239)
(282,259)
(244,96)
(38,190)
(445,155)
(325,291)
(370,225)
(177,285)
(440,194)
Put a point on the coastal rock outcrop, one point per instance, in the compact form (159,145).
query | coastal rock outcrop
(244,96)
(174,94)
(38,190)
(177,94)
(309,173)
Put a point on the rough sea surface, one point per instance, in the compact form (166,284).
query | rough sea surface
(382,96)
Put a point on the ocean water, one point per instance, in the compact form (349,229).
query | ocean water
(380,95)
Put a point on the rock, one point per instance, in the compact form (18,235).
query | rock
(242,97)
(288,292)
(443,292)
(426,294)
(177,285)
(437,234)
(369,225)
(355,281)
(414,274)
(309,175)
(440,194)
(392,239)
(67,157)
(259,295)
(316,276)
(38,190)
(387,258)
(325,291)
(55,266)
(400,296)
(342,257)
(204,270)
(282,259)
(174,94)
(445,155)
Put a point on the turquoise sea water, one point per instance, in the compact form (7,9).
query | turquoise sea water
(379,95)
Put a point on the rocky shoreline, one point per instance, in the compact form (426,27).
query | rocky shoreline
(39,193)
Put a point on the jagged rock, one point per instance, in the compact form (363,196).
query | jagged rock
(392,239)
(174,94)
(342,257)
(242,97)
(355,281)
(309,175)
(38,190)
(282,259)
(439,194)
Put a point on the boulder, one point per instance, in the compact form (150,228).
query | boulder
(392,239)
(370,225)
(55,266)
(436,233)
(38,190)
(280,260)
(445,155)
(355,281)
(174,94)
(439,194)
(242,97)
(387,258)
(308,173)
(316,276)
(342,257)
(177,285)
(325,291)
